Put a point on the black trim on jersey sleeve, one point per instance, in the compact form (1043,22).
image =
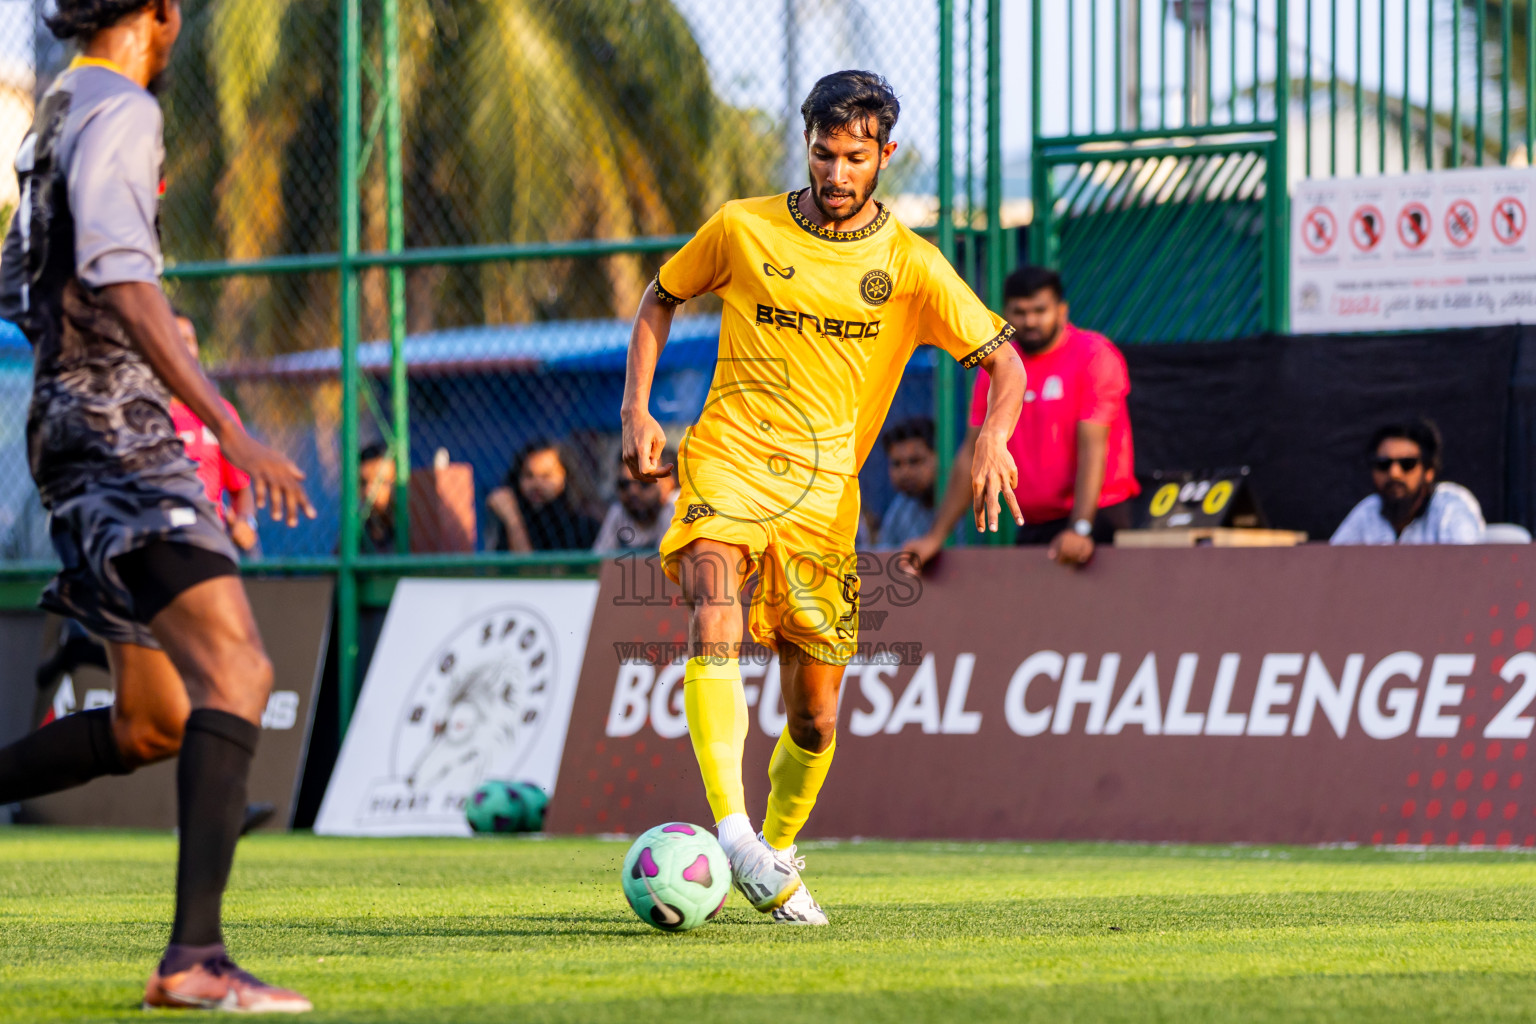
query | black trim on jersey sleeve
(973,360)
(665,297)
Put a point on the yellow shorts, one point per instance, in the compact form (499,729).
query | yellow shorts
(798,534)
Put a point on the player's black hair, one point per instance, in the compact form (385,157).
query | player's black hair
(1421,431)
(918,428)
(81,19)
(1028,280)
(373,450)
(846,100)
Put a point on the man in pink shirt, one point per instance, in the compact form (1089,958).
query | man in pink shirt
(1073,440)
(218,475)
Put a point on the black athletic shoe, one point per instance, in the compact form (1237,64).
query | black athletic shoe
(257,815)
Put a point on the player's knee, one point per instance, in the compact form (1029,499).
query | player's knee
(239,683)
(716,621)
(146,739)
(813,730)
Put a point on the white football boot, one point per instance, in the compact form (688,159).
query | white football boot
(801,907)
(761,875)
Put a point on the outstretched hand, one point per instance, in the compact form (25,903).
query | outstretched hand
(993,470)
(274,477)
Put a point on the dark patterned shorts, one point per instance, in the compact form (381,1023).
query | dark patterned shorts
(111,517)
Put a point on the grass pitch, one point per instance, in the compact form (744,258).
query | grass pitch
(536,930)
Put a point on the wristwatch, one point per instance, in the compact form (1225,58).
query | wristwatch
(1082,527)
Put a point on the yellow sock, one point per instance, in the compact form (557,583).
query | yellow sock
(797,776)
(717,725)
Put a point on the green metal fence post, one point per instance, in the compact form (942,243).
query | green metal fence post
(346,576)
(395,198)
(1429,96)
(996,261)
(944,369)
(1040,217)
(995,264)
(1507,30)
(1277,186)
(1482,45)
(1456,86)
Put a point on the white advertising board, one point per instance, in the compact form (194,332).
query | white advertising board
(1439,249)
(472,680)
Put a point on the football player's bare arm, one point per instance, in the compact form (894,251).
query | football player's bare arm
(983,465)
(643,438)
(146,314)
(992,467)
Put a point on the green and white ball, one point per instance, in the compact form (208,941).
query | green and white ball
(676,877)
(535,802)
(498,806)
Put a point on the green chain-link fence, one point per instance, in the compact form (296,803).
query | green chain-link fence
(416,230)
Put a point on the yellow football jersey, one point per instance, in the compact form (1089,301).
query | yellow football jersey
(817,328)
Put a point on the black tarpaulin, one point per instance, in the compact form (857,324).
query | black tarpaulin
(1300,412)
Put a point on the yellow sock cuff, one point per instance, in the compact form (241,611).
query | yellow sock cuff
(705,667)
(806,757)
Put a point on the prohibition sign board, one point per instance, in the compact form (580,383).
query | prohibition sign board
(1366,228)
(1414,225)
(1319,229)
(1508,220)
(1461,223)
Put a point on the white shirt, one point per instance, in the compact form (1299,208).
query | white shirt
(1453,517)
(620,531)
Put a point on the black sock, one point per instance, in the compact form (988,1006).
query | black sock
(62,754)
(210,792)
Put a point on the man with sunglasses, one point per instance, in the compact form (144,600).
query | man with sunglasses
(642,513)
(1410,506)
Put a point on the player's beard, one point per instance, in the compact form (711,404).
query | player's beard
(860,199)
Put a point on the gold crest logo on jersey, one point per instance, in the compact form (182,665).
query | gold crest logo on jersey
(697,512)
(876,287)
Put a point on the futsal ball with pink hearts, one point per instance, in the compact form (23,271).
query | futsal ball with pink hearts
(676,877)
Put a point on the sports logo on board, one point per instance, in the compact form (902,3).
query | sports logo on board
(875,287)
(481,698)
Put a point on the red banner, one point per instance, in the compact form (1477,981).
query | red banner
(1304,695)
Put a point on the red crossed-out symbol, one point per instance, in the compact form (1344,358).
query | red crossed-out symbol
(1366,228)
(1461,223)
(1413,225)
(1319,229)
(1508,220)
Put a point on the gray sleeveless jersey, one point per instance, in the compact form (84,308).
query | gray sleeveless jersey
(89,173)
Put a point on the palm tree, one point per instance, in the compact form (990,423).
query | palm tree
(525,120)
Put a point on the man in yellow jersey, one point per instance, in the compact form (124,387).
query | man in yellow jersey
(826,296)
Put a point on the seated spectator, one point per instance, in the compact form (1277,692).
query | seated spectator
(913,466)
(642,512)
(535,509)
(1410,506)
(376,485)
